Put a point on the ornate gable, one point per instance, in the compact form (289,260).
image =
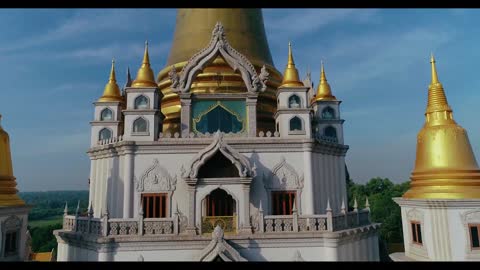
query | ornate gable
(283,176)
(156,178)
(218,45)
(240,161)
(219,247)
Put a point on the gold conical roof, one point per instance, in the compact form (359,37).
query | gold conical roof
(290,75)
(145,76)
(8,192)
(445,166)
(323,90)
(112,91)
(245,32)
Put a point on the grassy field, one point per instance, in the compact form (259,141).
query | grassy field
(46,222)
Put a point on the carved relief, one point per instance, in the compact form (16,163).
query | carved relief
(12,223)
(283,176)
(415,215)
(219,45)
(156,178)
(240,161)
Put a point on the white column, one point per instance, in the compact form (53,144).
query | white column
(127,181)
(246,210)
(91,186)
(308,192)
(191,227)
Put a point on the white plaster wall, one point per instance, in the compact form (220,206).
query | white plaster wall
(361,249)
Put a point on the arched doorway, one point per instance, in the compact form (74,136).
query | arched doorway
(219,208)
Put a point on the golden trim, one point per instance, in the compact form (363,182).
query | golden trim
(212,107)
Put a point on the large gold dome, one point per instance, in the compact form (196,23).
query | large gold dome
(244,30)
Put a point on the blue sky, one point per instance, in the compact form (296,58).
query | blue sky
(55,63)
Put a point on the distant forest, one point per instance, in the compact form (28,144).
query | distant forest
(47,213)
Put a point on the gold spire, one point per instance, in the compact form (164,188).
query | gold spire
(445,166)
(8,192)
(145,76)
(323,90)
(290,76)
(111,92)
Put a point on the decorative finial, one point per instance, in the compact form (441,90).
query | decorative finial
(112,72)
(323,90)
(434,70)
(260,208)
(355,204)
(77,211)
(343,207)
(328,205)
(290,55)
(65,211)
(90,210)
(294,208)
(145,77)
(367,205)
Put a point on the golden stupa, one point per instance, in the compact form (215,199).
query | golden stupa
(290,75)
(445,167)
(8,192)
(244,30)
(111,91)
(145,77)
(323,90)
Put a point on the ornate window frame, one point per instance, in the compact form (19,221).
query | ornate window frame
(135,107)
(325,109)
(295,181)
(196,120)
(300,105)
(325,132)
(296,132)
(106,109)
(100,133)
(153,176)
(415,215)
(11,224)
(141,133)
(468,218)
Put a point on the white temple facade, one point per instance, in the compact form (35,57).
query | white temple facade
(218,188)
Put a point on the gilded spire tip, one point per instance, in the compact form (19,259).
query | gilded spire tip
(434,70)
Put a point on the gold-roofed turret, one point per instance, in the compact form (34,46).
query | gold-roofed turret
(112,91)
(290,76)
(145,77)
(245,32)
(323,90)
(8,192)
(445,166)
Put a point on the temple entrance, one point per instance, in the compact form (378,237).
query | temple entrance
(219,208)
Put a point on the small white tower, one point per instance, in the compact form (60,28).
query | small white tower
(293,115)
(143,118)
(327,124)
(107,123)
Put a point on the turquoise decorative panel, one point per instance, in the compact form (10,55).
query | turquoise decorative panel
(212,115)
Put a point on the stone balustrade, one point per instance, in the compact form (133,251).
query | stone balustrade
(172,226)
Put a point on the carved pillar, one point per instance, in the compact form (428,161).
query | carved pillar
(128,187)
(252,114)
(191,228)
(185,114)
(245,221)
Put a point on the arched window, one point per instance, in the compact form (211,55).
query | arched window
(106,115)
(141,102)
(328,113)
(296,124)
(105,134)
(140,125)
(294,101)
(330,132)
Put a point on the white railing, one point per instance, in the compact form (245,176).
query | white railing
(105,226)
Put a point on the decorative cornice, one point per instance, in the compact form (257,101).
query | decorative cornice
(438,204)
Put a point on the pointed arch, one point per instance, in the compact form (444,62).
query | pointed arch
(105,134)
(140,125)
(218,46)
(219,145)
(106,115)
(141,102)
